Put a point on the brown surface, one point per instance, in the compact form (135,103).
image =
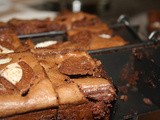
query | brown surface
(49,114)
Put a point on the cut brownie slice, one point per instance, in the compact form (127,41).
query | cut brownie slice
(33,26)
(79,83)
(24,86)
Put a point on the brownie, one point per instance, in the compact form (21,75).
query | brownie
(75,86)
(33,26)
(44,84)
(26,87)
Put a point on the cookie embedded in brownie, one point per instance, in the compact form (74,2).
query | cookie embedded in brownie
(24,85)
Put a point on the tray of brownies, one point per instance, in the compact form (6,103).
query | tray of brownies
(76,67)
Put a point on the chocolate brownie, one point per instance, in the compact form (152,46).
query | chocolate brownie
(46,85)
(33,26)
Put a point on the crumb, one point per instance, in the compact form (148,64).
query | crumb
(147,101)
(124,98)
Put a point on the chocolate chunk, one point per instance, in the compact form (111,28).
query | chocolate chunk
(76,66)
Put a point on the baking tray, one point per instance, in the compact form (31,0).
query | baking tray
(114,64)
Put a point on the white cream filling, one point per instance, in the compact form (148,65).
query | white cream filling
(13,73)
(5,60)
(106,36)
(45,44)
(5,50)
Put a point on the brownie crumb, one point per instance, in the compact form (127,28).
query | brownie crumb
(147,101)
(124,98)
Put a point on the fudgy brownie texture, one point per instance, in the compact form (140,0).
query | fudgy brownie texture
(48,114)
(88,111)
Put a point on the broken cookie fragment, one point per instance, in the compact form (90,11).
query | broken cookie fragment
(19,70)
